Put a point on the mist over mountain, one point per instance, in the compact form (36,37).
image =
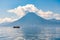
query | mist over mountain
(32,19)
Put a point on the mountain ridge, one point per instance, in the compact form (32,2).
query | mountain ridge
(33,19)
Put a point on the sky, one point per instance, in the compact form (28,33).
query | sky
(42,6)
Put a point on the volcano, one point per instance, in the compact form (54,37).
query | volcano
(32,19)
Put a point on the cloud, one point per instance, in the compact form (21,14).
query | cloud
(2,20)
(22,11)
(45,15)
(56,16)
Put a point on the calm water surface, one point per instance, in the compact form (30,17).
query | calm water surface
(48,33)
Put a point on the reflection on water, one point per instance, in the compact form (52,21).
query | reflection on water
(9,33)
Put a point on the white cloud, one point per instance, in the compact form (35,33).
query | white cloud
(45,15)
(57,16)
(22,10)
(6,20)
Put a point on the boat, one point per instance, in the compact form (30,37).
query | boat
(16,27)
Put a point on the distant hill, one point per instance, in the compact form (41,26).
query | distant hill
(32,19)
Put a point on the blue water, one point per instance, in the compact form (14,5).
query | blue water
(47,33)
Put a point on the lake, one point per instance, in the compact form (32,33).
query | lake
(46,33)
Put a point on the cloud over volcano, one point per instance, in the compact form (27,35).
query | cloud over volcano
(22,10)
